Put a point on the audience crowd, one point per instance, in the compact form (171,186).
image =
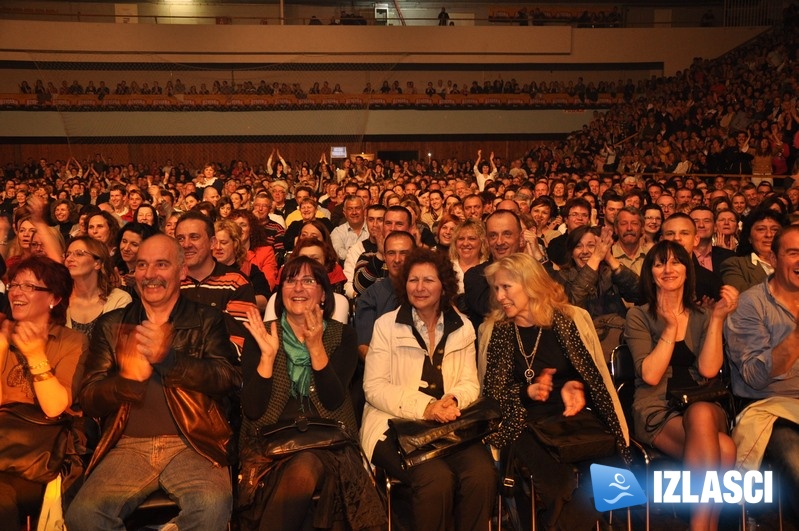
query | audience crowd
(674,213)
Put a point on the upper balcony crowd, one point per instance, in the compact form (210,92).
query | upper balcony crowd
(186,307)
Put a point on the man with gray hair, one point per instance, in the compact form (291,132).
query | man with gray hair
(156,372)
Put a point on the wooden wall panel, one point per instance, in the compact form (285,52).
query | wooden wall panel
(195,154)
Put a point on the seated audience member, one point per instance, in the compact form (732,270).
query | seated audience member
(322,253)
(147,214)
(256,242)
(450,492)
(307,210)
(653,220)
(304,368)
(680,228)
(353,230)
(630,247)
(726,233)
(755,260)
(228,250)
(156,372)
(104,228)
(531,314)
(675,345)
(593,278)
(94,292)
(576,213)
(469,248)
(444,229)
(370,266)
(128,241)
(381,298)
(41,364)
(209,282)
(709,256)
(763,345)
(504,236)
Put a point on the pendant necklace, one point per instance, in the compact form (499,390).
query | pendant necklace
(529,373)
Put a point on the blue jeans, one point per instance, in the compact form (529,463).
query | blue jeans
(783,447)
(137,467)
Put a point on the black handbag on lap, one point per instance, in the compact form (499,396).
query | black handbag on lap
(289,437)
(581,437)
(32,445)
(423,440)
(715,390)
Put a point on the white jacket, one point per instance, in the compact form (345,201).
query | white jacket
(393,371)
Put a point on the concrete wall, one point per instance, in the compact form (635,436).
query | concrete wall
(456,46)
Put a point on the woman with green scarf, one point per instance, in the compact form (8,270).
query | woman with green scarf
(305,368)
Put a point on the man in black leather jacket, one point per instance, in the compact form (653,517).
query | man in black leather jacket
(157,372)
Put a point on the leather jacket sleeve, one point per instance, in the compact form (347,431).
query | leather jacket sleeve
(210,371)
(104,390)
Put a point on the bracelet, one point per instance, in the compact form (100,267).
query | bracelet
(40,365)
(666,341)
(46,375)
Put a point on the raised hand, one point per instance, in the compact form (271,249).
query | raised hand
(573,395)
(314,326)
(727,303)
(542,385)
(267,342)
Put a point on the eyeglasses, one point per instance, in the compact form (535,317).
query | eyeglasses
(306,282)
(26,287)
(581,215)
(652,218)
(80,253)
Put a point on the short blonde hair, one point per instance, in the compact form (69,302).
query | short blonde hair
(479,228)
(234,231)
(546,295)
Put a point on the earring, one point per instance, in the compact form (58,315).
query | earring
(51,306)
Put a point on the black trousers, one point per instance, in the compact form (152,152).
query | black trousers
(565,506)
(447,493)
(18,497)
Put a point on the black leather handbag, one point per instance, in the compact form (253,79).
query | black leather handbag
(581,437)
(423,440)
(715,390)
(32,445)
(289,437)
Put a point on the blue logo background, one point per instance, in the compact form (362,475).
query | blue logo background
(615,488)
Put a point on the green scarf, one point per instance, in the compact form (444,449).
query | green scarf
(298,360)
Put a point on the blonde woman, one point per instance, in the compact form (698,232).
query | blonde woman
(469,248)
(543,359)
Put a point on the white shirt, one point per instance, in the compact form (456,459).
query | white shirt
(344,237)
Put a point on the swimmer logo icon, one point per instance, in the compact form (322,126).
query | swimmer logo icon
(615,488)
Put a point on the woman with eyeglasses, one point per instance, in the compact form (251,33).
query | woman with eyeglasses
(39,361)
(94,292)
(304,369)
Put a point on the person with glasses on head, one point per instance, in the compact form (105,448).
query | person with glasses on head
(95,290)
(39,360)
(304,367)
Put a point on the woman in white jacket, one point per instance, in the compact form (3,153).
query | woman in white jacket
(421,364)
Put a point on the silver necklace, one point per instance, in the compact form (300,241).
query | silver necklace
(529,373)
